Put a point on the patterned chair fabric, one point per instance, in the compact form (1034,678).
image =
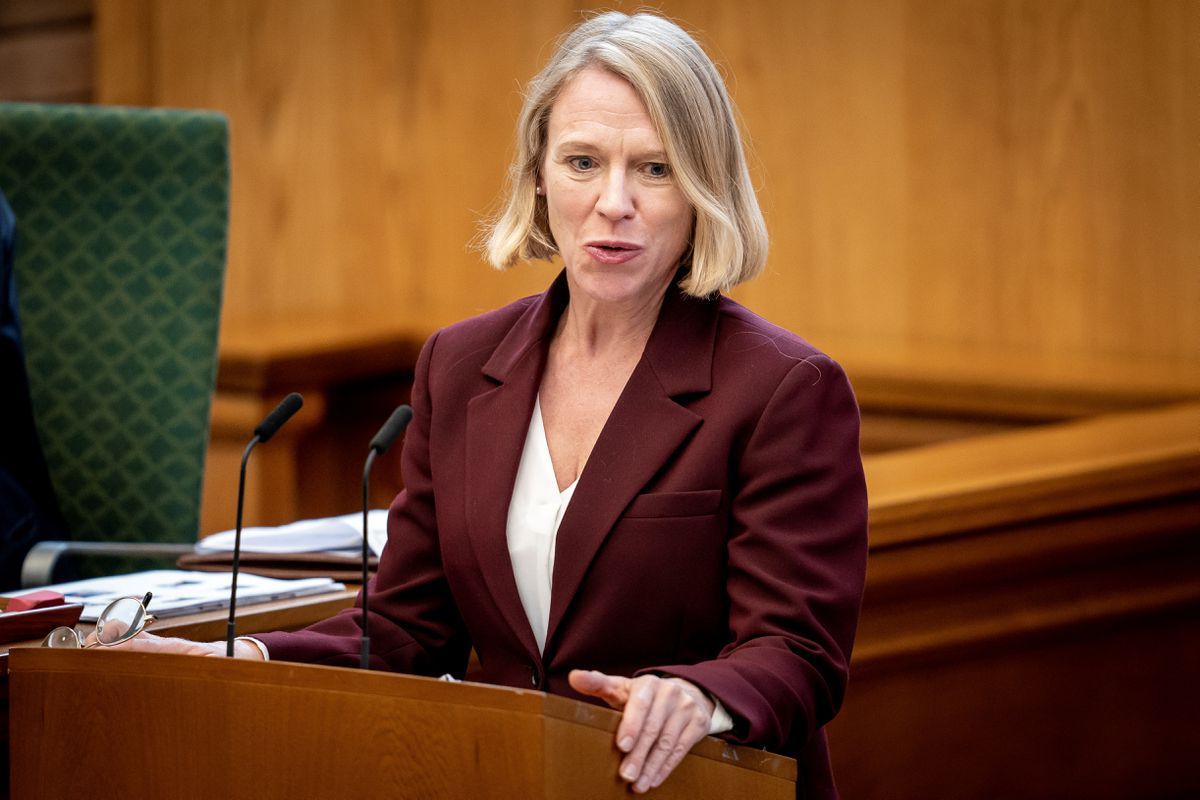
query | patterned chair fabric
(120,259)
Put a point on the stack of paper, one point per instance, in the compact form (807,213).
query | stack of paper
(178,592)
(330,534)
(331,547)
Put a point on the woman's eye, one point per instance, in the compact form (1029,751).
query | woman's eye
(581,163)
(658,170)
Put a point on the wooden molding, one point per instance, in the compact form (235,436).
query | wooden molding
(964,485)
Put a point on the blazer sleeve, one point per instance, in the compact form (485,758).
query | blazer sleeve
(415,625)
(796,563)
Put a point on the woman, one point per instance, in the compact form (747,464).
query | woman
(628,488)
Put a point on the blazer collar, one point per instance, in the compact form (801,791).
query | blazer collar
(646,427)
(532,331)
(680,349)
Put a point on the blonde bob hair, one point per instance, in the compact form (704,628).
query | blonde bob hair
(691,110)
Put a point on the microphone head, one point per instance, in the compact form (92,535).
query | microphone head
(392,429)
(282,413)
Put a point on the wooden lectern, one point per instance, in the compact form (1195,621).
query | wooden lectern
(131,725)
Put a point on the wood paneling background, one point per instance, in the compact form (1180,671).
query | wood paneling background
(989,209)
(1004,177)
(46,50)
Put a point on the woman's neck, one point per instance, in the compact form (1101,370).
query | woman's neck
(598,330)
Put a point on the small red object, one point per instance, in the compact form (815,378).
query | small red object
(43,598)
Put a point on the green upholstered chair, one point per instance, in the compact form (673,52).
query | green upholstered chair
(120,260)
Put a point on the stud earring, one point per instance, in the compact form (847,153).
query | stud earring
(538,190)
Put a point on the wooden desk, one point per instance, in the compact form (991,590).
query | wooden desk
(243,730)
(278,615)
(1031,623)
(209,625)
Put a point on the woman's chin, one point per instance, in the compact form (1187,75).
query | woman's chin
(612,286)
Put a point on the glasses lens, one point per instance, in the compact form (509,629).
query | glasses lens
(61,637)
(122,620)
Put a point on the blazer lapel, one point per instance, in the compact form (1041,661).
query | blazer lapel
(646,427)
(497,424)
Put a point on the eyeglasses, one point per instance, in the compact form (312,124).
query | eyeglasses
(120,621)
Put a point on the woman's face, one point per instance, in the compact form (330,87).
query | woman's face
(618,218)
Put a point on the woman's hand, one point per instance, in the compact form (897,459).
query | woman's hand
(149,643)
(662,719)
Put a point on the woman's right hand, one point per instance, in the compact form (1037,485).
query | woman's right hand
(149,643)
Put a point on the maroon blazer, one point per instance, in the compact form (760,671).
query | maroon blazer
(717,533)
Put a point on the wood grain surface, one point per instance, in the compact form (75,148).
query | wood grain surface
(1011,177)
(223,728)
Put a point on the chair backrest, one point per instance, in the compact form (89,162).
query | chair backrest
(120,260)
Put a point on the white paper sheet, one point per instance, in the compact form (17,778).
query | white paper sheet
(342,533)
(179,592)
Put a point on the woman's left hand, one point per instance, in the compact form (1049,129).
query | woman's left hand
(662,719)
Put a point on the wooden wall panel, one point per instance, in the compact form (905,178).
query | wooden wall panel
(46,50)
(366,143)
(1009,177)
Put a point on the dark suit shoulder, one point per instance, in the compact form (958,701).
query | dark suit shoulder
(488,327)
(745,342)
(473,340)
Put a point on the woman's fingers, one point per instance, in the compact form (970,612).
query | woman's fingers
(633,722)
(659,735)
(612,689)
(149,643)
(662,719)
(693,731)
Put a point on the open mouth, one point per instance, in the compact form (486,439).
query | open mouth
(612,252)
(613,247)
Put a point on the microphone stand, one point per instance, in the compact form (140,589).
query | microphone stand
(265,430)
(365,654)
(230,627)
(390,431)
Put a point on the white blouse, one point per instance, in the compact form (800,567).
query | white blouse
(534,514)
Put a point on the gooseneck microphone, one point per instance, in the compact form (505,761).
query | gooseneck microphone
(265,430)
(390,431)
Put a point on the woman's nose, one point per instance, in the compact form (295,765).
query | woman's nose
(616,197)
